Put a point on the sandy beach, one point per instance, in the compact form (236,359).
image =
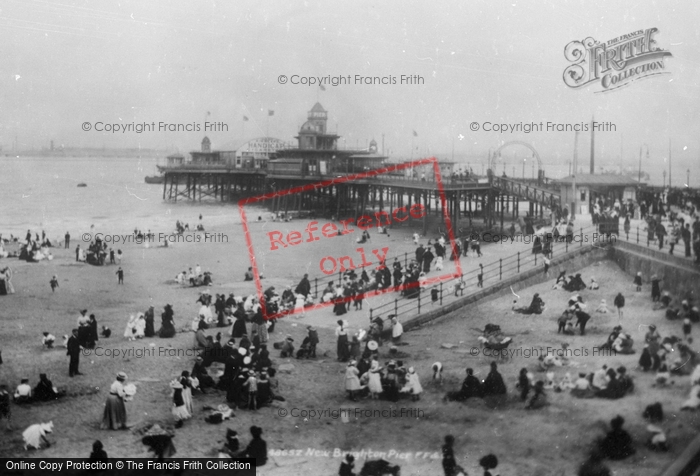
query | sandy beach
(568,424)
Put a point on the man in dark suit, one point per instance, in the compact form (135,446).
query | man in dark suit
(74,349)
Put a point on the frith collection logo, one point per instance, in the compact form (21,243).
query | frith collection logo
(615,63)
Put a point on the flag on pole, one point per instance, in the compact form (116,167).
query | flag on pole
(321,87)
(245,118)
(270,112)
(415,134)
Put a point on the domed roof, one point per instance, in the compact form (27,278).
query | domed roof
(310,126)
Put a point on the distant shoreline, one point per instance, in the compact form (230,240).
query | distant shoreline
(88,152)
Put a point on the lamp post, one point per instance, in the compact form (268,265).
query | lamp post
(687,180)
(664,179)
(524,160)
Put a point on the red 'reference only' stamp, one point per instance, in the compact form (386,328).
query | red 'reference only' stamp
(318,238)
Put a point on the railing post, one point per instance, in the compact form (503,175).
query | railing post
(581,245)
(567,244)
(638,235)
(396,306)
(519,260)
(535,262)
(418,299)
(370,314)
(441,293)
(405,259)
(340,278)
(316,287)
(500,269)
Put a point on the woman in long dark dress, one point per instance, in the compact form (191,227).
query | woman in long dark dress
(115,411)
(92,334)
(167,328)
(342,335)
(149,330)
(494,385)
(239,329)
(264,395)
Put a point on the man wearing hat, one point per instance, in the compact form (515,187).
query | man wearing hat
(73,351)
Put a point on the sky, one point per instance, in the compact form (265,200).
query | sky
(186,62)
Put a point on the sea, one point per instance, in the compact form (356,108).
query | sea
(42,193)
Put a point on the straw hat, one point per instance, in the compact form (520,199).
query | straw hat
(242,351)
(121,376)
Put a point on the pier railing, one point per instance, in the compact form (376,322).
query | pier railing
(642,237)
(468,283)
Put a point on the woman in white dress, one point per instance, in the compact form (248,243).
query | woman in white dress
(299,305)
(375,380)
(140,326)
(179,408)
(129,331)
(81,255)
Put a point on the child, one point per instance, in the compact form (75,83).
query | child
(252,384)
(179,408)
(481,276)
(54,283)
(547,262)
(48,340)
(375,383)
(459,286)
(619,303)
(603,308)
(413,385)
(438,264)
(120,255)
(569,331)
(638,281)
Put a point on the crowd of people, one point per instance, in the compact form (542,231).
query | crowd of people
(248,375)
